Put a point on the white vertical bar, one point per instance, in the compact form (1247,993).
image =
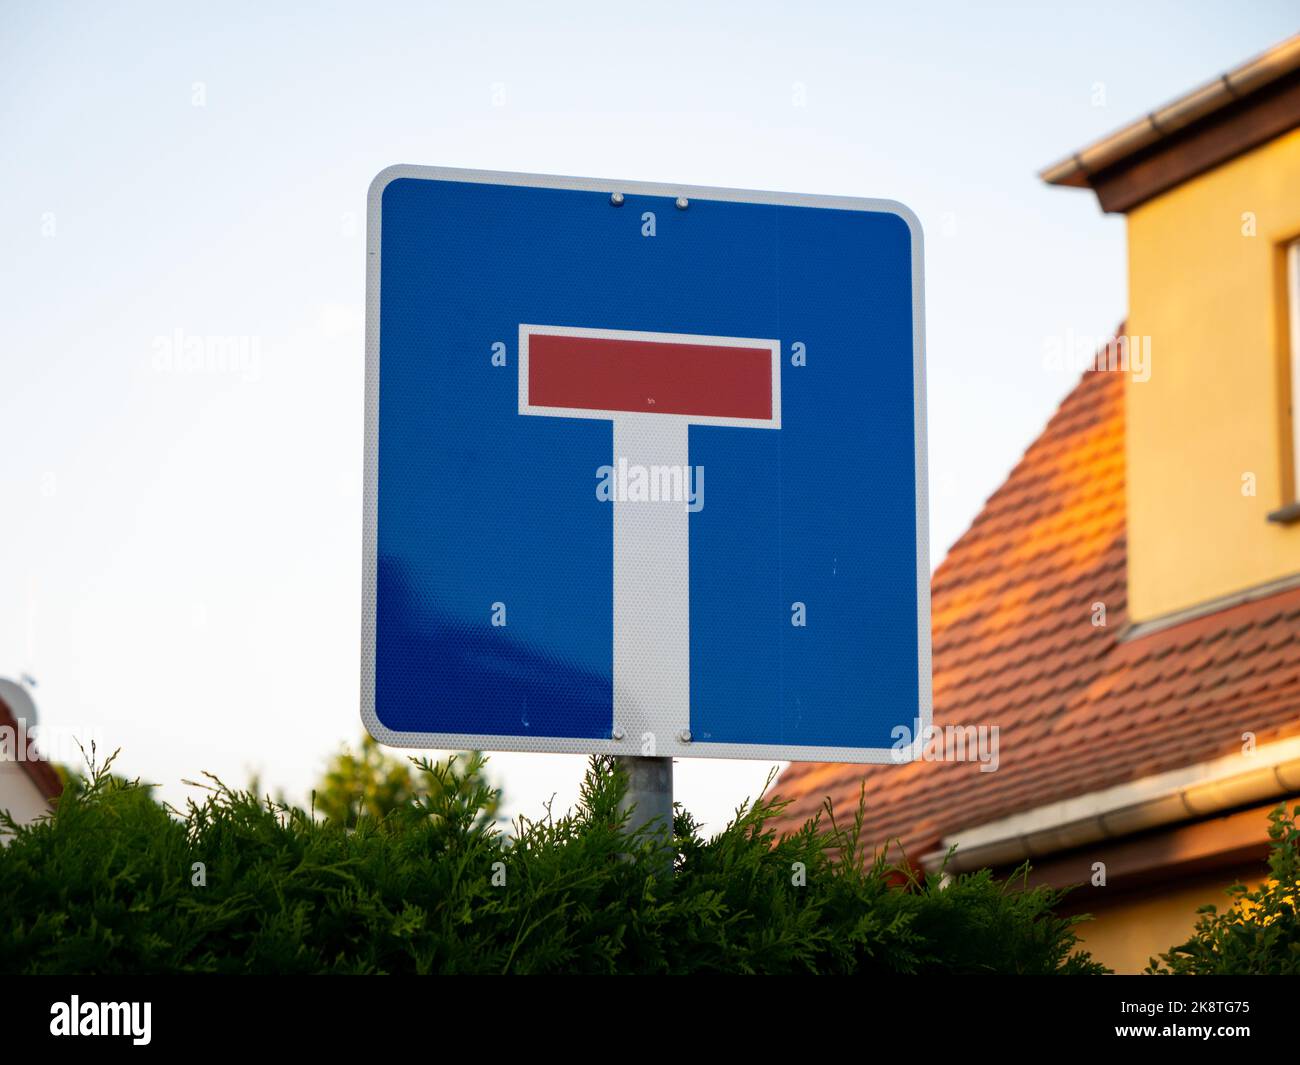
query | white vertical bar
(652,587)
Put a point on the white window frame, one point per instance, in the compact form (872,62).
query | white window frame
(1293,323)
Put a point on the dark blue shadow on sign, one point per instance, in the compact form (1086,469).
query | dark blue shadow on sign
(467,676)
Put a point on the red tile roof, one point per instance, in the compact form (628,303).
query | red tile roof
(39,771)
(1078,708)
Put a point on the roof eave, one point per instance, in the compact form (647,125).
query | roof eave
(1077,169)
(1185,794)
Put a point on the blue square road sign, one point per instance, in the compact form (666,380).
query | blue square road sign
(645,470)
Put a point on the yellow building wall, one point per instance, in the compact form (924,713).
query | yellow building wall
(1215,408)
(1126,936)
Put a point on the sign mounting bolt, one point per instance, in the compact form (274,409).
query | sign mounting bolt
(684,735)
(617,734)
(616,199)
(682,203)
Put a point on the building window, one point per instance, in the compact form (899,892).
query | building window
(1291,512)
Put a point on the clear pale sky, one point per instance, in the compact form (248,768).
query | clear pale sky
(180,551)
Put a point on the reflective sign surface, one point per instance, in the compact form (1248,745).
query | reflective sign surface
(643,479)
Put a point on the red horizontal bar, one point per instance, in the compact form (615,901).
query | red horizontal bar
(649,376)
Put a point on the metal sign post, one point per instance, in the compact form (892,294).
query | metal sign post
(649,792)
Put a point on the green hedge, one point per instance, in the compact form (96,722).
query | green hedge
(106,885)
(1259,932)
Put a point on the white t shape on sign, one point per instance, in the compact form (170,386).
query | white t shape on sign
(653,387)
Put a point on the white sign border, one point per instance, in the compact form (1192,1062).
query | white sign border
(673,745)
